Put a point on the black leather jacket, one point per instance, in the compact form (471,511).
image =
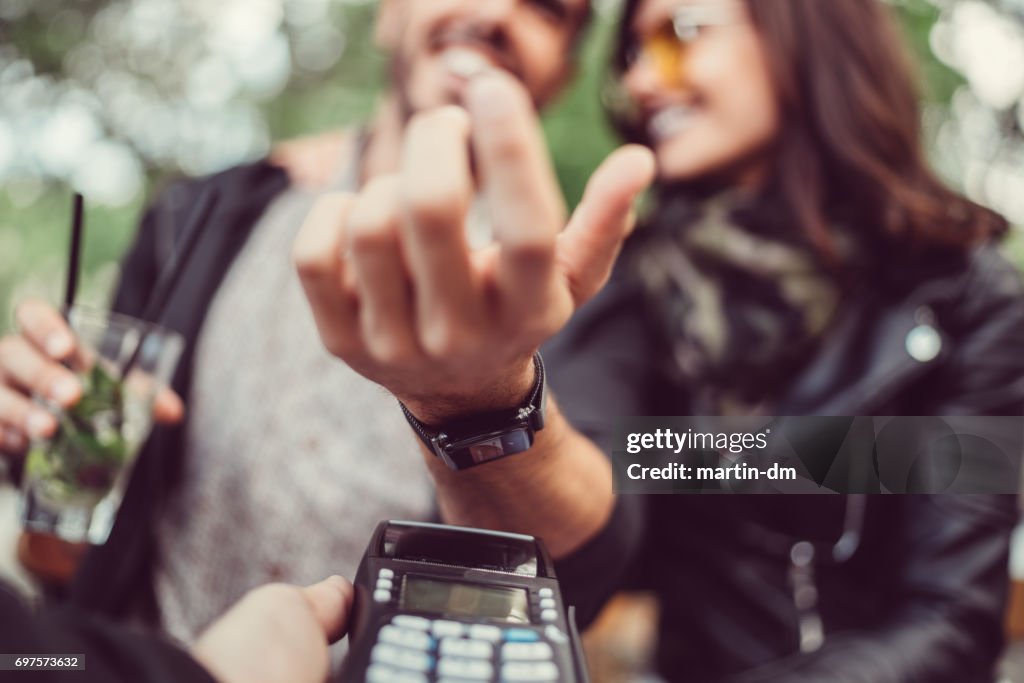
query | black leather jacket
(921,600)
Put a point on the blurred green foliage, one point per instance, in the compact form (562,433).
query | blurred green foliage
(33,234)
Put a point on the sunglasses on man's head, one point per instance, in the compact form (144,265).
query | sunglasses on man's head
(666,47)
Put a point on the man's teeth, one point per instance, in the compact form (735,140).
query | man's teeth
(465,62)
(670,122)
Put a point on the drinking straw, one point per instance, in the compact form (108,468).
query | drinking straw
(74,252)
(168,281)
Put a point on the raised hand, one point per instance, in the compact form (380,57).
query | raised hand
(398,294)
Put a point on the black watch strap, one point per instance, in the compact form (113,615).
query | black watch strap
(484,437)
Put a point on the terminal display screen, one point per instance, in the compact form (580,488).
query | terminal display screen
(456,599)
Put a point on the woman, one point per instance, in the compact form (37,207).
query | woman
(800,258)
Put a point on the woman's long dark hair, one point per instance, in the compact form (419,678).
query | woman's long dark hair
(851,120)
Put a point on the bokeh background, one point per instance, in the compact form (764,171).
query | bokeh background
(114,97)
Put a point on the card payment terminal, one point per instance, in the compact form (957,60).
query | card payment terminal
(439,603)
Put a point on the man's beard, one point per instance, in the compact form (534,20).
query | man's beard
(402,64)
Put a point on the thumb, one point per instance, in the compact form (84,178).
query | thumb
(331,602)
(604,218)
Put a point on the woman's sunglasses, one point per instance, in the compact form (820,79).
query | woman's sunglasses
(666,47)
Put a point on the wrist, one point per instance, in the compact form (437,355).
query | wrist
(506,389)
(479,435)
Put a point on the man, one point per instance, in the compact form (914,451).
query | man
(287,459)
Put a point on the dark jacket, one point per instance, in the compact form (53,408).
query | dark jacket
(923,597)
(116,578)
(109,653)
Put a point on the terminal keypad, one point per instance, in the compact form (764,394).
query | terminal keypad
(415,649)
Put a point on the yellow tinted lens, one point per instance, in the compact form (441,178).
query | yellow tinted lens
(665,52)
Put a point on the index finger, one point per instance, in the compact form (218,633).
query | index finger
(526,206)
(45,328)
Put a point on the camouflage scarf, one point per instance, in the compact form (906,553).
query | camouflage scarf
(740,297)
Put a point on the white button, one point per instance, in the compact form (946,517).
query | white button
(406,637)
(529,671)
(546,593)
(459,647)
(555,635)
(378,673)
(548,615)
(526,651)
(384,584)
(485,632)
(381,595)
(410,621)
(444,629)
(385,574)
(924,343)
(384,653)
(547,603)
(465,668)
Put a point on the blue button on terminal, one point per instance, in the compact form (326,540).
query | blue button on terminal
(521,635)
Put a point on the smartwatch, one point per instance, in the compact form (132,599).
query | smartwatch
(477,439)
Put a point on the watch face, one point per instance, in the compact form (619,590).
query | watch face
(498,446)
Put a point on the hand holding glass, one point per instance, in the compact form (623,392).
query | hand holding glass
(74,480)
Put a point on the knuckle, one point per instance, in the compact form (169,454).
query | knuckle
(307,264)
(340,346)
(373,223)
(506,145)
(443,341)
(435,210)
(372,232)
(43,376)
(547,325)
(386,349)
